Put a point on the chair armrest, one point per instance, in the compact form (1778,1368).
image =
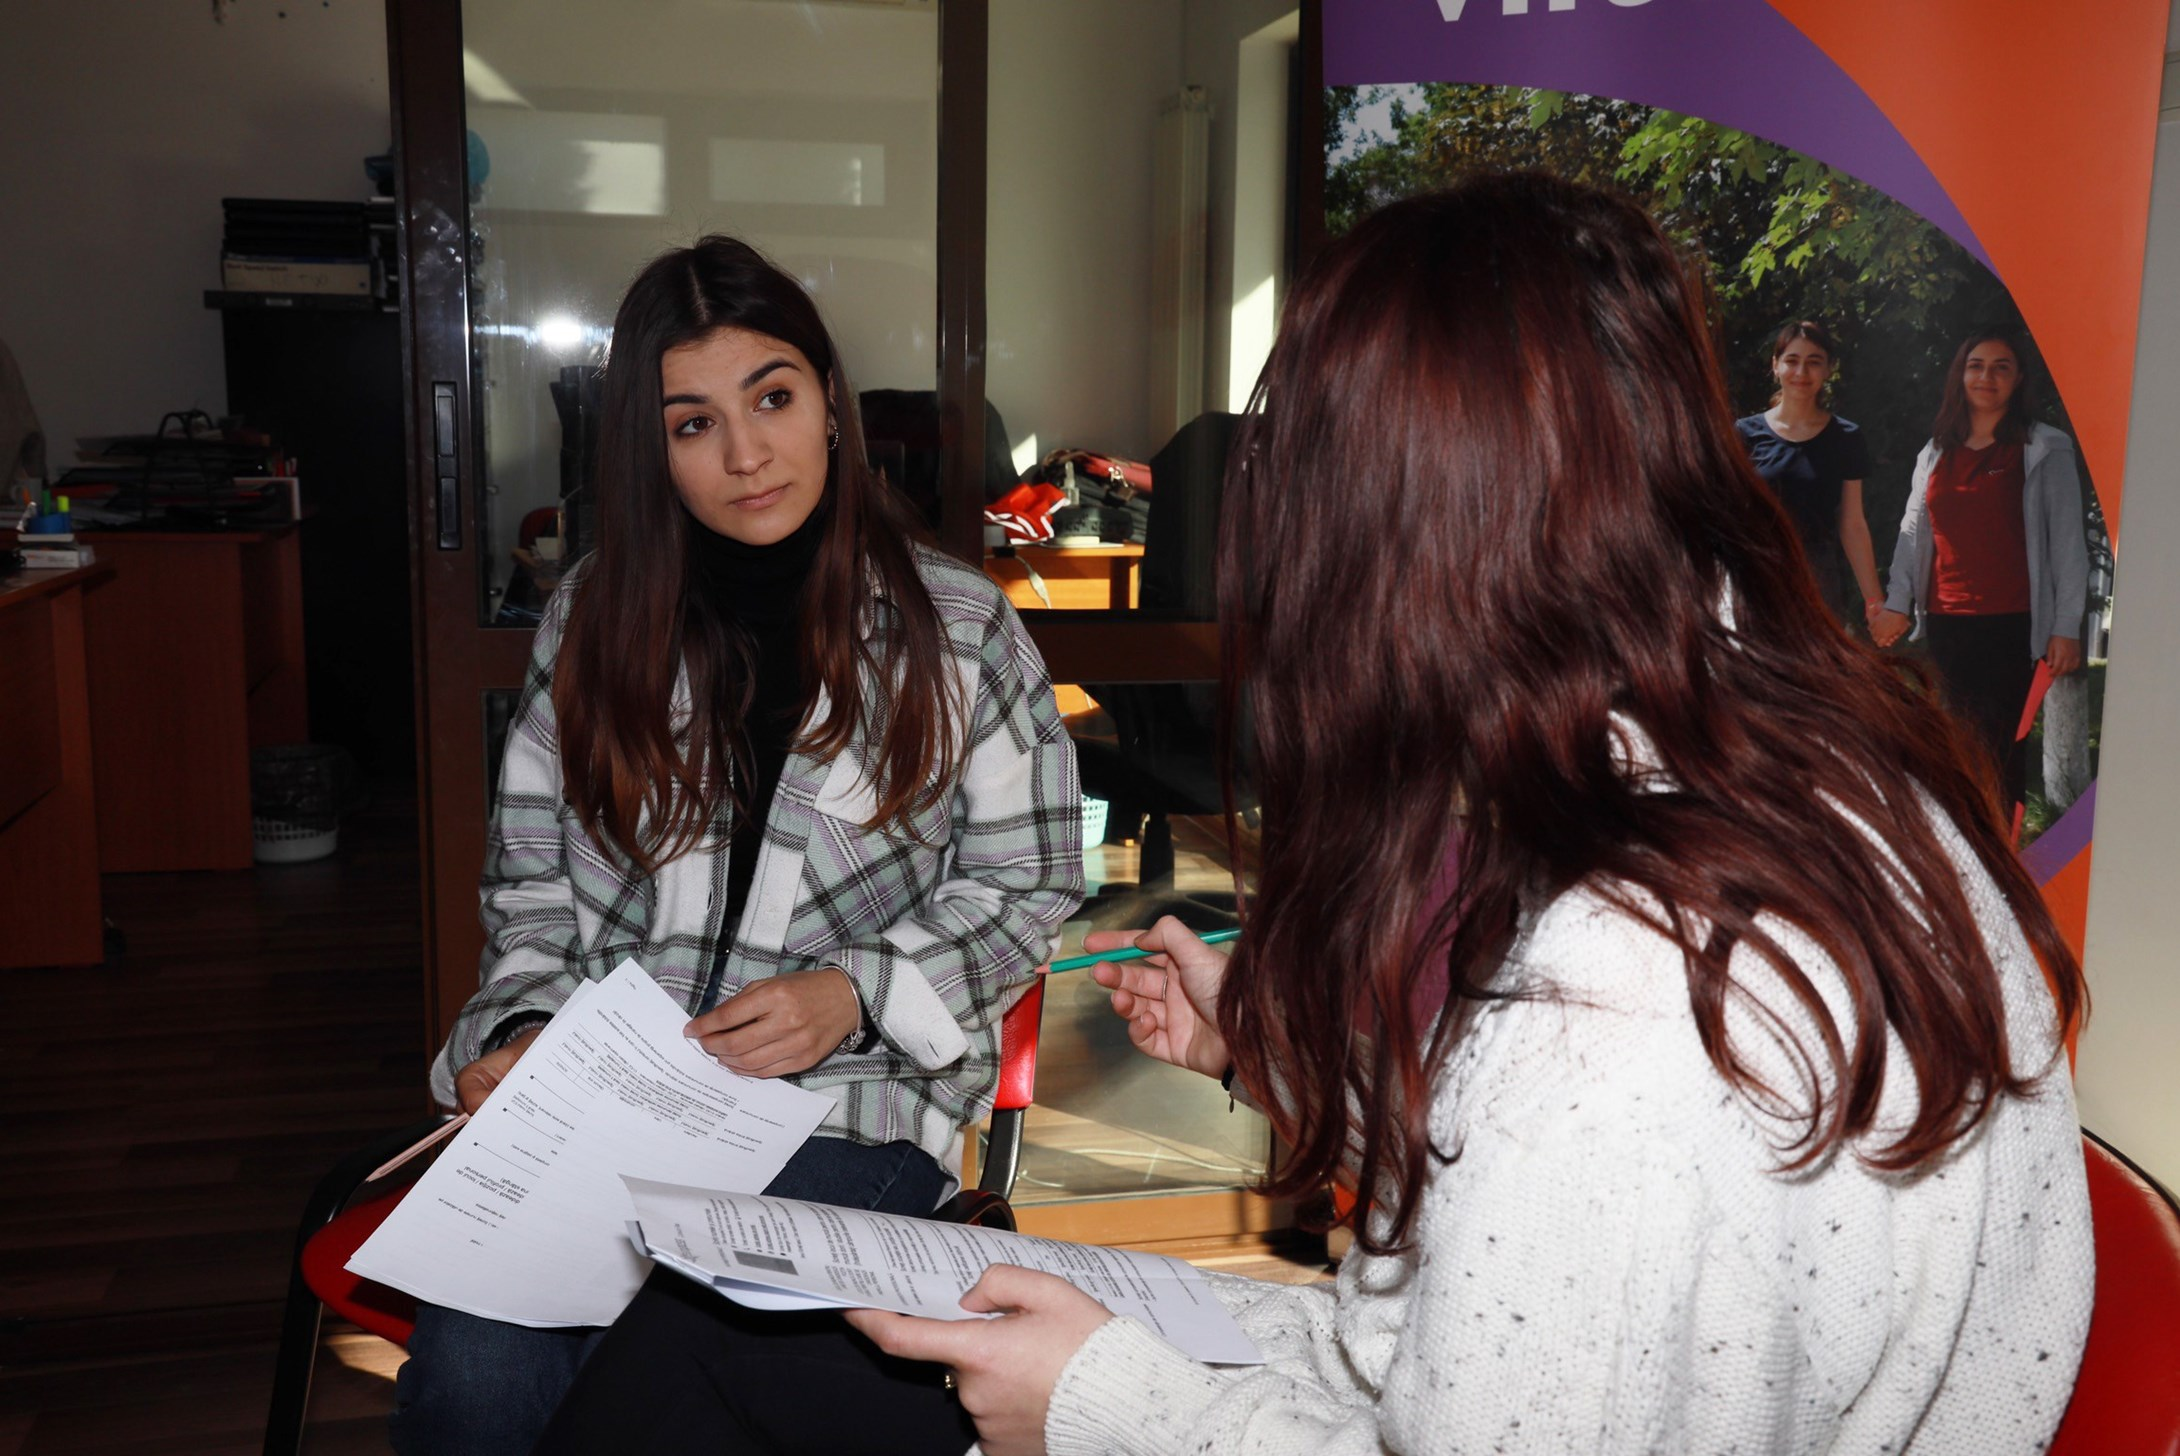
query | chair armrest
(979,1207)
(338,1188)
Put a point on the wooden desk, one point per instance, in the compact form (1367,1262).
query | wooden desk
(1093,577)
(49,900)
(196,657)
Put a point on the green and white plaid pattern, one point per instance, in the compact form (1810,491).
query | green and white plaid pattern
(939,930)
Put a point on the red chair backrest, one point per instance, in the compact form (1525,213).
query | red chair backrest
(2127,1400)
(1018,1050)
(543,520)
(385,1312)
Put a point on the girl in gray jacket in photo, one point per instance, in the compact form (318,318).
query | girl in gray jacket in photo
(1992,554)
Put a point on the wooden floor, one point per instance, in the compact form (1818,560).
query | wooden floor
(166,1115)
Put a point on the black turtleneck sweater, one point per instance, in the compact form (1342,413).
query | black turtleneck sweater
(757,590)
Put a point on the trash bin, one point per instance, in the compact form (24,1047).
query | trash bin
(295,801)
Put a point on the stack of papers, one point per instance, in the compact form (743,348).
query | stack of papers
(523,1216)
(781,1253)
(551,1203)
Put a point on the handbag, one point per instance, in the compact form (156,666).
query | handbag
(1107,497)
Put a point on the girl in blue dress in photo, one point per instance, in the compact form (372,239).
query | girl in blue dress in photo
(1815,463)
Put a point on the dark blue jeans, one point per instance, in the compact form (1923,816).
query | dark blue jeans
(477,1387)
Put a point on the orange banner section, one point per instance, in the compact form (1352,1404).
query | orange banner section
(2039,119)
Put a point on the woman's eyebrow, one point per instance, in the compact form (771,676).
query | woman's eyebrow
(763,369)
(747,380)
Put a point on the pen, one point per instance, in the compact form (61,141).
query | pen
(420,1145)
(1133,953)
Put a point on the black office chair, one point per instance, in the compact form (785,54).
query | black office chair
(901,437)
(1161,757)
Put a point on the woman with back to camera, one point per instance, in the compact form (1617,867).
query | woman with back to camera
(1717,1103)
(1815,463)
(804,769)
(1993,557)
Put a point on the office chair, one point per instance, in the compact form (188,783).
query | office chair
(901,437)
(1162,756)
(2127,1397)
(335,1224)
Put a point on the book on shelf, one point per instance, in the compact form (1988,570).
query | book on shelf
(243,273)
(277,250)
(57,558)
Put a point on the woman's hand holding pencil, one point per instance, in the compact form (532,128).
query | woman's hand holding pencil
(1167,990)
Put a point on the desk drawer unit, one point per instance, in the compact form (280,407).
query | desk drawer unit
(30,740)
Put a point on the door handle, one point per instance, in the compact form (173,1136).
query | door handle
(446,466)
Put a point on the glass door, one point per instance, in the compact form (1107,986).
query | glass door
(550,148)
(1024,251)
(1137,243)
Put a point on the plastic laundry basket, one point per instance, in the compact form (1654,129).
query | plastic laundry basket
(295,801)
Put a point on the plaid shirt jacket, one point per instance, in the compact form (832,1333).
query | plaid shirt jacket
(939,931)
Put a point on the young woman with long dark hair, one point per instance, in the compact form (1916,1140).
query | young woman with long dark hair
(1993,556)
(1651,956)
(804,769)
(1814,461)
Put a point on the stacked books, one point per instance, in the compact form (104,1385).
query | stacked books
(279,246)
(48,543)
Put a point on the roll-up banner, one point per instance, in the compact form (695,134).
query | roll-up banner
(1936,185)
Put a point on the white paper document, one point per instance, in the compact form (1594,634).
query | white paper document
(523,1218)
(781,1253)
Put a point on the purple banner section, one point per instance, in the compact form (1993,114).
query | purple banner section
(1737,63)
(2057,846)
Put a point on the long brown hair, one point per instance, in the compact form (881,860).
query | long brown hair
(1491,507)
(1950,429)
(643,777)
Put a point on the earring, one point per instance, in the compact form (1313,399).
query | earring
(832,441)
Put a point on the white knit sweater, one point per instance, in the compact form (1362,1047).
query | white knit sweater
(1610,1265)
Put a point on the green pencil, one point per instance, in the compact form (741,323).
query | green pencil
(1133,953)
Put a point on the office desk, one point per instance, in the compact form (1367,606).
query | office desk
(1095,577)
(49,900)
(196,657)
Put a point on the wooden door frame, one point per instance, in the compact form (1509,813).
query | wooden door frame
(458,659)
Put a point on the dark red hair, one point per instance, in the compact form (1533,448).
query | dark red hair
(641,777)
(1490,503)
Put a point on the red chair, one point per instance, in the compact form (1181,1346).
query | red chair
(335,1224)
(2127,1398)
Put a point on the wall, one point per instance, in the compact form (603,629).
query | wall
(1070,189)
(127,121)
(2128,1078)
(1069,221)
(1212,57)
(1257,239)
